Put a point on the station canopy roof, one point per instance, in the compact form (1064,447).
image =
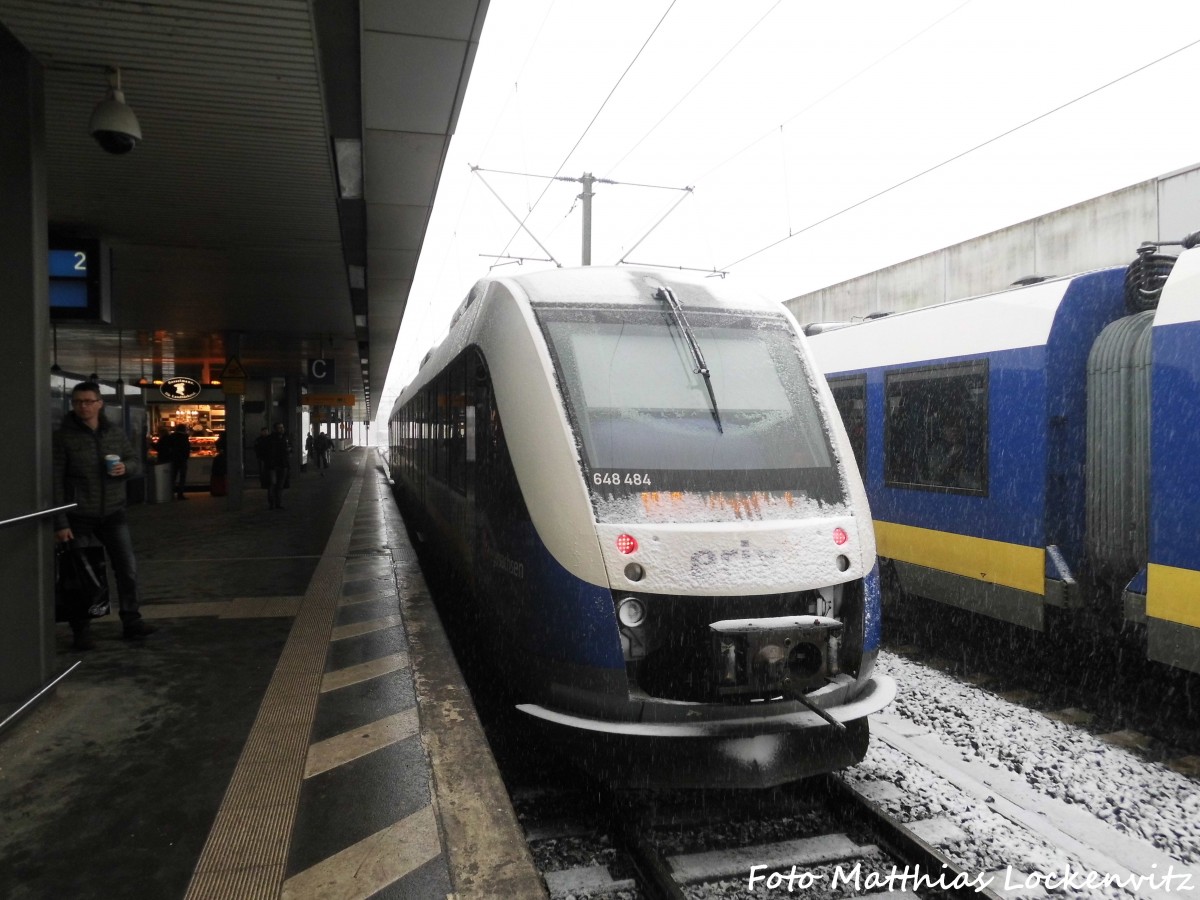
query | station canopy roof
(278,200)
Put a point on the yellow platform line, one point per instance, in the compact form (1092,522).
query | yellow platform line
(354,629)
(246,850)
(351,745)
(373,598)
(372,864)
(340,678)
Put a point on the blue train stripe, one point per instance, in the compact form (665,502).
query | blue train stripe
(995,562)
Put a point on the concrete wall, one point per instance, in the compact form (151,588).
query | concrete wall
(1102,232)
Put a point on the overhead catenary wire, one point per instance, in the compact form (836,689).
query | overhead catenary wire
(520,222)
(596,116)
(958,156)
(663,187)
(697,84)
(857,75)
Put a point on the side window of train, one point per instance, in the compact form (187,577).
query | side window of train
(456,425)
(428,423)
(936,428)
(850,396)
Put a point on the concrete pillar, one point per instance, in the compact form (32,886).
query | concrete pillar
(235,434)
(27,640)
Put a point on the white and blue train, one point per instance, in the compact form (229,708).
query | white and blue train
(1039,447)
(666,544)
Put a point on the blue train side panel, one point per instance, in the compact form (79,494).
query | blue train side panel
(1173,576)
(1011,510)
(1015,545)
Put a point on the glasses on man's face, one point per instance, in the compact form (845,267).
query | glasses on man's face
(79,402)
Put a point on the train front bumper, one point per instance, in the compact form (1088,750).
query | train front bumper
(760,750)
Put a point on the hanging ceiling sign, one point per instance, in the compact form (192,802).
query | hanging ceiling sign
(180,388)
(320,371)
(327,399)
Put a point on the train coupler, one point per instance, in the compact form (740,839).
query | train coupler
(784,655)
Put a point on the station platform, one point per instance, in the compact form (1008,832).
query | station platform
(297,726)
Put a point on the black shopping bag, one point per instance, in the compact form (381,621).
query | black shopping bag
(80,582)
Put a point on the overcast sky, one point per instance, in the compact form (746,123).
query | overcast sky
(784,114)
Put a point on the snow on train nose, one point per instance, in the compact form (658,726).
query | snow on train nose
(783,654)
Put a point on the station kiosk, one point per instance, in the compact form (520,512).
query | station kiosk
(183,401)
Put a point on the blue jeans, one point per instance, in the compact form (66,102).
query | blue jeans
(179,476)
(112,533)
(275,488)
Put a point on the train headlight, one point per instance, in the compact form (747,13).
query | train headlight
(632,612)
(839,536)
(626,543)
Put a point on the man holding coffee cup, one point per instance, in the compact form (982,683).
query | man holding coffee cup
(92,460)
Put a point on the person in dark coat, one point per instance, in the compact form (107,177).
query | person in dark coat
(176,447)
(260,453)
(82,475)
(279,464)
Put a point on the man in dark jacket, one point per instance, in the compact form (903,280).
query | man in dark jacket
(92,460)
(260,453)
(278,452)
(178,447)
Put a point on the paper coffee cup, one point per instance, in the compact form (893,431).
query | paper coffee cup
(110,462)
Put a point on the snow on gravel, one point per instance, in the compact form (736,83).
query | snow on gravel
(1062,762)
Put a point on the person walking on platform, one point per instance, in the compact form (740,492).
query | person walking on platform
(321,447)
(279,465)
(92,461)
(260,453)
(176,448)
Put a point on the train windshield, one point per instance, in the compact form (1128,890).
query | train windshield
(659,441)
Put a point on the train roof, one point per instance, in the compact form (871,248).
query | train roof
(599,285)
(1010,319)
(1180,300)
(630,285)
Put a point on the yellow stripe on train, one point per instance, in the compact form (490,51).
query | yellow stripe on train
(1173,594)
(994,562)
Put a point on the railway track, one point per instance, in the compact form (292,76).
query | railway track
(822,838)
(1006,802)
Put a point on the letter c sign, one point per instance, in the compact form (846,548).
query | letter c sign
(320,371)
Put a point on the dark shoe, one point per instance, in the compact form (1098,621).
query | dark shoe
(136,628)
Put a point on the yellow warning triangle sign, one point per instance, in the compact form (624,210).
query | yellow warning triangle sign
(233,369)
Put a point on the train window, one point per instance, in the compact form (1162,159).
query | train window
(427,425)
(647,423)
(456,425)
(850,397)
(442,429)
(936,428)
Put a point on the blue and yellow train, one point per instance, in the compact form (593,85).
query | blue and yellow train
(664,541)
(1039,447)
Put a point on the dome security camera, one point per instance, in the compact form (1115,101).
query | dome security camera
(113,124)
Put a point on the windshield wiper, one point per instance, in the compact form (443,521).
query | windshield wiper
(665,293)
